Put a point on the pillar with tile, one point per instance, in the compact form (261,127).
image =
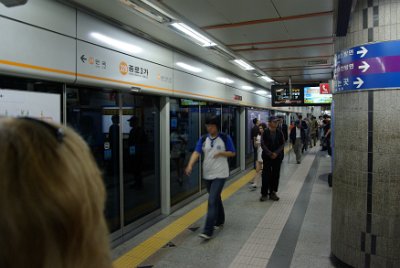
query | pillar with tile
(366,171)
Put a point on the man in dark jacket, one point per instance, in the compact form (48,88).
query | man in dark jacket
(283,127)
(272,144)
(297,137)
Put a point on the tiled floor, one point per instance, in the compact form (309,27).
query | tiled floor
(253,229)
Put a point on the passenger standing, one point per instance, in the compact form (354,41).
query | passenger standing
(313,131)
(284,128)
(257,179)
(254,133)
(297,137)
(272,145)
(217,147)
(137,141)
(320,128)
(327,136)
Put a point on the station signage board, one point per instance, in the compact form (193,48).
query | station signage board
(370,66)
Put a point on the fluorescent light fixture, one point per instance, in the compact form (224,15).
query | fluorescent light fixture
(155,7)
(269,96)
(244,65)
(247,87)
(116,43)
(224,80)
(261,92)
(189,67)
(267,78)
(204,41)
(148,9)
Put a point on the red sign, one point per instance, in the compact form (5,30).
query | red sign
(237,97)
(324,89)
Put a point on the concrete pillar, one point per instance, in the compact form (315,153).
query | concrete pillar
(366,172)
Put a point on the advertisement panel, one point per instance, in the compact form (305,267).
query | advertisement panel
(45,106)
(313,96)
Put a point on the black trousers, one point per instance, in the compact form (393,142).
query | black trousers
(270,176)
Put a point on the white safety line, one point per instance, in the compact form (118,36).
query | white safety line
(258,248)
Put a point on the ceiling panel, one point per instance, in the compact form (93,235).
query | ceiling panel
(315,51)
(298,7)
(316,26)
(251,33)
(199,12)
(239,10)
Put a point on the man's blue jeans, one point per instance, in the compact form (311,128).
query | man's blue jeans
(215,212)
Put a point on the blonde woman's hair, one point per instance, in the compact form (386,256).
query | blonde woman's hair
(51,199)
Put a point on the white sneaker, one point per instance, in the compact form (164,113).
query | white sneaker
(253,187)
(217,227)
(205,237)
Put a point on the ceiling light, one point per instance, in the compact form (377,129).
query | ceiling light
(267,78)
(261,92)
(224,80)
(116,43)
(244,65)
(204,41)
(148,9)
(155,7)
(189,67)
(269,96)
(247,87)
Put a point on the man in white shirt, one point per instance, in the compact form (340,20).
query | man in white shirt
(217,147)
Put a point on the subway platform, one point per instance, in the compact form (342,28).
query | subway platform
(292,232)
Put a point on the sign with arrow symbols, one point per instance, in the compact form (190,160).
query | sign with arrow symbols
(370,66)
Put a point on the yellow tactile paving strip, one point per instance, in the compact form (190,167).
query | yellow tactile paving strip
(150,246)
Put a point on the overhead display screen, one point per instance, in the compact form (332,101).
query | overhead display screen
(312,95)
(281,95)
(301,95)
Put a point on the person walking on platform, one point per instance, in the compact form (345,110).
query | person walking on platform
(272,144)
(216,147)
(297,137)
(257,179)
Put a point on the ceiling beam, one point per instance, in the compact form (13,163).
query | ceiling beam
(280,41)
(330,73)
(252,22)
(284,47)
(297,68)
(293,58)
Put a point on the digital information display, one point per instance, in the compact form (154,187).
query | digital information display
(281,95)
(302,95)
(312,95)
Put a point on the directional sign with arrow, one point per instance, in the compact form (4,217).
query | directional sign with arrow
(363,51)
(370,66)
(83,59)
(359,82)
(364,67)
